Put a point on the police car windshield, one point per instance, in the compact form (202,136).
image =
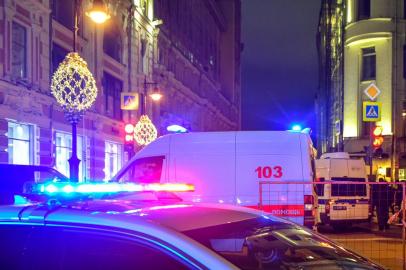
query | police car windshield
(261,244)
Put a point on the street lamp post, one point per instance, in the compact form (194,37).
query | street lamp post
(156,96)
(74,88)
(145,131)
(74,117)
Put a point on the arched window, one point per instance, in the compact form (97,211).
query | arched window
(112,43)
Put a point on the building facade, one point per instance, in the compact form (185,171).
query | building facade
(375,52)
(199,77)
(329,105)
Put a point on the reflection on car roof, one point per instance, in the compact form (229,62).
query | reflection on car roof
(179,216)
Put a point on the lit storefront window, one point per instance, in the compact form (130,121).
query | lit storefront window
(112,159)
(63,144)
(20,143)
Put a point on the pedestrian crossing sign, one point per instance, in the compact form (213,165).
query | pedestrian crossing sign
(371,111)
(129,101)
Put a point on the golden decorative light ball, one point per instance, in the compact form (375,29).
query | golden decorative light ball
(73,85)
(145,131)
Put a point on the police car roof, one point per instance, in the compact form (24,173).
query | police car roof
(160,221)
(179,216)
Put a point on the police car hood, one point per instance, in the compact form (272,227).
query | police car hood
(180,216)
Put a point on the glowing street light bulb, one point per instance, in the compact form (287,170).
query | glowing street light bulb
(156,96)
(98,13)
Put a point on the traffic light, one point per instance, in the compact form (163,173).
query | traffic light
(129,138)
(377,140)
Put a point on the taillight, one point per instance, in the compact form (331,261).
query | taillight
(308,203)
(309,214)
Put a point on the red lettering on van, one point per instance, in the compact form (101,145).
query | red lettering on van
(282,210)
(269,172)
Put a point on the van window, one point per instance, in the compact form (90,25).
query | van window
(144,170)
(47,175)
(348,189)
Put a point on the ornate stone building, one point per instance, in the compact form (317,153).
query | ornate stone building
(192,53)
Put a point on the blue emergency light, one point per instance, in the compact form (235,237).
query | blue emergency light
(69,188)
(296,128)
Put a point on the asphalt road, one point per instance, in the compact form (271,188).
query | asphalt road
(385,248)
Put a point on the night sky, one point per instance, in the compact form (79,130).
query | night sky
(279,63)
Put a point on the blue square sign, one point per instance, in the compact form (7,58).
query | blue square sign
(371,111)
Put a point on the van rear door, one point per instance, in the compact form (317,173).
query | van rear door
(273,157)
(348,201)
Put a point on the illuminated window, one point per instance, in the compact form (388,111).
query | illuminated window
(19,51)
(112,159)
(364,9)
(368,64)
(20,143)
(112,88)
(63,145)
(144,7)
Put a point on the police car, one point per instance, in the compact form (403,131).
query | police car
(144,226)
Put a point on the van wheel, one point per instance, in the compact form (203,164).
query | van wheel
(268,256)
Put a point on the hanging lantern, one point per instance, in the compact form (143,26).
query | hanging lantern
(73,85)
(145,131)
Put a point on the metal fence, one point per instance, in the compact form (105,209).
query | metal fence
(366,217)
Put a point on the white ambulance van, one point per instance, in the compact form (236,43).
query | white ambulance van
(227,167)
(342,204)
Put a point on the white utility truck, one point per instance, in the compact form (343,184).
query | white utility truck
(347,203)
(227,167)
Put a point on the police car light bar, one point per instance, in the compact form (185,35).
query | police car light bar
(89,188)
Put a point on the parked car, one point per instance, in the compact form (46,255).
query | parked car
(14,177)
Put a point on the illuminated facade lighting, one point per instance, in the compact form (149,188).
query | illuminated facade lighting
(359,40)
(145,131)
(73,85)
